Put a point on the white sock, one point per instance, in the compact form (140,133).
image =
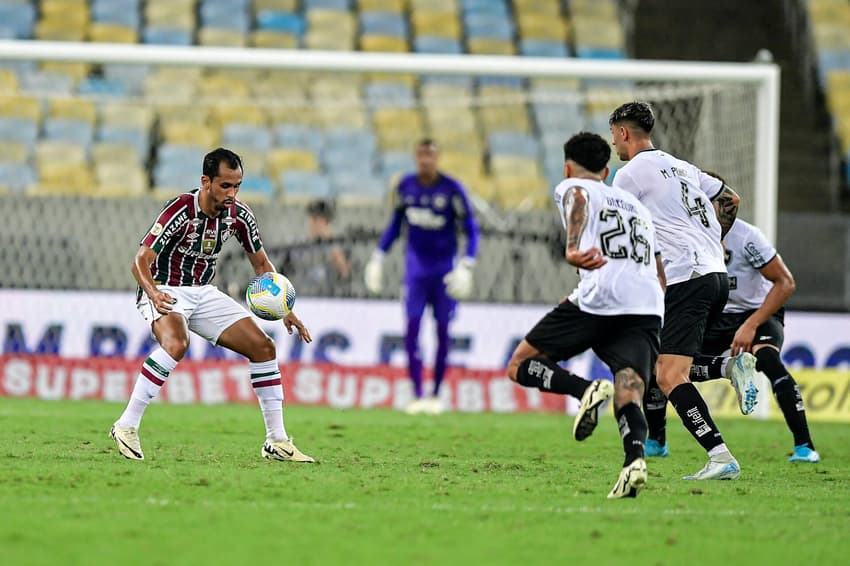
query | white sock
(155,370)
(265,378)
(718,450)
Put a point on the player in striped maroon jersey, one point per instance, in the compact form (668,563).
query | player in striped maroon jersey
(174,266)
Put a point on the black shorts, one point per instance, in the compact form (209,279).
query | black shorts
(621,341)
(690,307)
(719,335)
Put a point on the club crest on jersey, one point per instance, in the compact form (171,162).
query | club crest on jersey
(440,202)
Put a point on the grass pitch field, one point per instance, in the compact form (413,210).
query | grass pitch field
(457,489)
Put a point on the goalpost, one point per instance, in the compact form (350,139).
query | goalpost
(722,116)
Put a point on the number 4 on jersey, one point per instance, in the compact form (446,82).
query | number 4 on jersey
(697,209)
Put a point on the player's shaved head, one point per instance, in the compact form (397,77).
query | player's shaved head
(635,115)
(588,150)
(214,159)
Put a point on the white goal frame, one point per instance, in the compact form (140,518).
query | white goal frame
(764,76)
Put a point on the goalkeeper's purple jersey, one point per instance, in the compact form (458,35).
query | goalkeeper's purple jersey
(433,215)
(187,241)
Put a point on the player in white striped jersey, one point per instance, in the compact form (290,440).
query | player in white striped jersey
(754,320)
(679,196)
(173,268)
(615,310)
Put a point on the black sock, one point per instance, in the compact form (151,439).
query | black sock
(546,375)
(655,408)
(695,416)
(787,395)
(632,425)
(707,367)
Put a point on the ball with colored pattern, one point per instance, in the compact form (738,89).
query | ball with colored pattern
(270,296)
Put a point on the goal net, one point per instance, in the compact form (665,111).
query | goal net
(104,133)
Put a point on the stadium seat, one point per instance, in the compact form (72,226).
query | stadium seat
(22,107)
(16,177)
(298,136)
(436,24)
(165,35)
(513,143)
(75,71)
(112,33)
(138,139)
(115,153)
(121,12)
(512,166)
(18,130)
(8,81)
(395,162)
(43,83)
(73,109)
(389,95)
(285,159)
(354,190)
(341,5)
(522,192)
(281,22)
(221,37)
(69,130)
(256,188)
(15,152)
(488,46)
(303,185)
(247,135)
(383,23)
(543,48)
(446,6)
(100,87)
(20,18)
(383,43)
(272,40)
(543,26)
(432,44)
(485,25)
(126,115)
(277,5)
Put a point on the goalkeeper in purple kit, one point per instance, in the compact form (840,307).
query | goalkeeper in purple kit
(433,207)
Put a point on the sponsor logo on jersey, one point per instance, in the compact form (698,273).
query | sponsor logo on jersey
(175,225)
(194,223)
(251,222)
(424,218)
(754,253)
(187,251)
(157,229)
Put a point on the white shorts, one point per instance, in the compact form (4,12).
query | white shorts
(208,311)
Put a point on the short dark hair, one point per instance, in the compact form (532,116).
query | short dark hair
(589,150)
(636,113)
(427,141)
(321,208)
(213,160)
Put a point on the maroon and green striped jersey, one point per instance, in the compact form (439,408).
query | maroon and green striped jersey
(187,241)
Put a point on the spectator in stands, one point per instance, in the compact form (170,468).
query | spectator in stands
(320,264)
(174,267)
(433,206)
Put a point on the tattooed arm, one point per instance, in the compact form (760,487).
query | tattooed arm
(575,217)
(726,207)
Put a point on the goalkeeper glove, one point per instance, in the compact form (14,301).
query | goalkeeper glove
(373,274)
(459,280)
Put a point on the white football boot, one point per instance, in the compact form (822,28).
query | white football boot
(631,481)
(599,391)
(284,451)
(433,406)
(721,467)
(741,371)
(417,407)
(127,440)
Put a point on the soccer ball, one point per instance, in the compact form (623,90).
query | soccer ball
(270,296)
